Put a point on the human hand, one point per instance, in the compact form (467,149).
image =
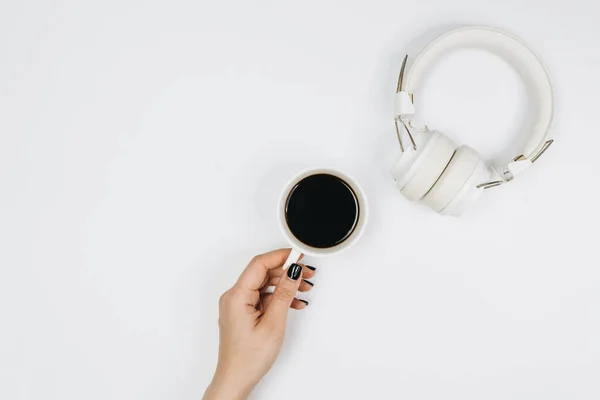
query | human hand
(252,323)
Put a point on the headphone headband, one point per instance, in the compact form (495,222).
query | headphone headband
(517,53)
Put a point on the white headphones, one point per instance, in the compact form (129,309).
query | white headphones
(449,179)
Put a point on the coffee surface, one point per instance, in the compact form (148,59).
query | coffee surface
(321,211)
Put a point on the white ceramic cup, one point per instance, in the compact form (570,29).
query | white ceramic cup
(299,248)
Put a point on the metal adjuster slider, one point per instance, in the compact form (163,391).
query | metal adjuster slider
(515,167)
(405,108)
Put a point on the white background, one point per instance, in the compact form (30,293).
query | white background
(143,145)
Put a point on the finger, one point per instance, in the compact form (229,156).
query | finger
(307,271)
(254,275)
(283,296)
(305,285)
(297,304)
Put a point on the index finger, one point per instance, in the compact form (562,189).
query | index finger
(256,272)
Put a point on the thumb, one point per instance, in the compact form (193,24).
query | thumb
(283,295)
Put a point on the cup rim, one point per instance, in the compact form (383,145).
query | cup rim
(358,230)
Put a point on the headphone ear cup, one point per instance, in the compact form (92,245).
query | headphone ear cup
(416,173)
(468,195)
(454,184)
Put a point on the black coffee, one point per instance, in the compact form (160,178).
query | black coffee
(321,211)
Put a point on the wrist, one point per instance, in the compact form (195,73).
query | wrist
(227,387)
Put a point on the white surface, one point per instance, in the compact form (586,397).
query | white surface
(144,144)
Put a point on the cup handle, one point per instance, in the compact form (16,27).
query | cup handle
(292,258)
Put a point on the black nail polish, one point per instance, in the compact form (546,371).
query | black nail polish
(294,272)
(304,301)
(311,268)
(309,282)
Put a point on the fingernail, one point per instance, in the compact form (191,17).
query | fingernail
(294,272)
(311,268)
(304,301)
(309,282)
